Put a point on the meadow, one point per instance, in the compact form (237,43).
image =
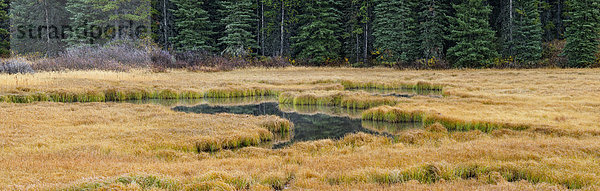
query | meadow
(489,130)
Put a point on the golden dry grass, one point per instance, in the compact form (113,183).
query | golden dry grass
(60,145)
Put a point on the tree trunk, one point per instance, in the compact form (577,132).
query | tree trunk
(262,27)
(366,51)
(559,26)
(357,49)
(510,28)
(47,22)
(165,23)
(282,32)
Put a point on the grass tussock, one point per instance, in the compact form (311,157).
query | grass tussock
(346,100)
(398,115)
(276,124)
(272,126)
(441,172)
(132,94)
(425,86)
(239,92)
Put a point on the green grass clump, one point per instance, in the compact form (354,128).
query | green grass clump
(277,125)
(424,86)
(349,101)
(242,92)
(125,182)
(132,94)
(210,144)
(397,115)
(432,173)
(392,115)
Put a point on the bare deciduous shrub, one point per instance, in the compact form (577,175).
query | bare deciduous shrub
(207,62)
(161,60)
(272,62)
(15,66)
(115,56)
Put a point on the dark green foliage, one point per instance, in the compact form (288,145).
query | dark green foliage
(386,30)
(4,29)
(527,31)
(238,39)
(583,32)
(471,32)
(409,34)
(397,30)
(466,33)
(432,28)
(163,24)
(317,40)
(193,26)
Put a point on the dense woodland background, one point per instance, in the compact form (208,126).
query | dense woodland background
(397,33)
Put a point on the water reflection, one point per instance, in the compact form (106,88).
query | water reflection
(210,101)
(307,127)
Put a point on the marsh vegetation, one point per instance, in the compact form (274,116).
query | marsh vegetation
(301,128)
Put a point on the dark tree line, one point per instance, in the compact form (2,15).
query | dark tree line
(464,33)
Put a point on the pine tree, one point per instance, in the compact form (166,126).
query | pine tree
(238,39)
(386,27)
(471,32)
(4,29)
(527,31)
(193,26)
(582,32)
(318,38)
(433,28)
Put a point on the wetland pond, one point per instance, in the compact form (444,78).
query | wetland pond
(310,122)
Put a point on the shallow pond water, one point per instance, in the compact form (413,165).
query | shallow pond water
(307,126)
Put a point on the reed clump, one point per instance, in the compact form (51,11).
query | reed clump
(271,126)
(239,92)
(276,124)
(64,96)
(426,86)
(346,100)
(211,144)
(146,182)
(397,115)
(432,173)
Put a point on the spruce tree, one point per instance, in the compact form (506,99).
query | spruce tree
(470,30)
(4,29)
(163,23)
(582,32)
(409,37)
(193,26)
(318,38)
(433,28)
(527,31)
(83,14)
(386,30)
(238,39)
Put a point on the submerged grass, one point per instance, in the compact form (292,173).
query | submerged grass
(398,115)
